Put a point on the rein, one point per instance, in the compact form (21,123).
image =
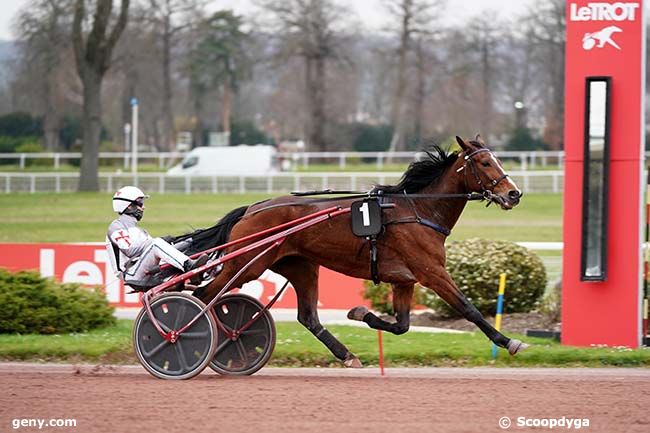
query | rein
(484,195)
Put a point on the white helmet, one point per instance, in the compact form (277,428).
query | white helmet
(125,196)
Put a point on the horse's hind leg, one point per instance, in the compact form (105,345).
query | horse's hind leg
(303,275)
(441,283)
(402,297)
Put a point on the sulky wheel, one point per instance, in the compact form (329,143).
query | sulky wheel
(193,350)
(247,352)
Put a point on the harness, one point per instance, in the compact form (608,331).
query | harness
(378,196)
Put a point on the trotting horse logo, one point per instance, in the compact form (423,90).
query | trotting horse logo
(603,37)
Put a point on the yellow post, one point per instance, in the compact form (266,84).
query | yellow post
(497,321)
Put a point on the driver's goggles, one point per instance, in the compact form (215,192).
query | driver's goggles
(139,202)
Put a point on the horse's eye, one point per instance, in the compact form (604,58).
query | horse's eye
(485,164)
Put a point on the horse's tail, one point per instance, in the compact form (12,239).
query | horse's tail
(218,234)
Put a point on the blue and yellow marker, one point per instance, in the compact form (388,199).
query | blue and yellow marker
(497,322)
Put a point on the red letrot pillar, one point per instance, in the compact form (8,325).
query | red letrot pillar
(604,145)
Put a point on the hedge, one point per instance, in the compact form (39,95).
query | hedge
(33,304)
(475,266)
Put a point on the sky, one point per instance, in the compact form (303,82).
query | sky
(371,12)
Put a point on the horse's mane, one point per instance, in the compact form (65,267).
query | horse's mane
(218,234)
(422,173)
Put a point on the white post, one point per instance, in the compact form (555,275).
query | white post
(127,137)
(134,140)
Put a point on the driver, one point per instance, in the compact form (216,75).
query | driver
(133,253)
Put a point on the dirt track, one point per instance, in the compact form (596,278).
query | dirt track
(127,399)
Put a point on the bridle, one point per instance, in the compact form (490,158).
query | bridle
(469,160)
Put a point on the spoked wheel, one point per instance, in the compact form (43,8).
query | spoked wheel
(242,353)
(194,348)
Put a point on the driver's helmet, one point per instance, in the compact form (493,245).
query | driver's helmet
(126,196)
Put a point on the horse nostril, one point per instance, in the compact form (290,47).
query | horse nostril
(514,194)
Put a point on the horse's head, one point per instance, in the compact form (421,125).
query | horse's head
(484,173)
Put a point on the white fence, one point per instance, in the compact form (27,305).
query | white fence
(528,181)
(524,160)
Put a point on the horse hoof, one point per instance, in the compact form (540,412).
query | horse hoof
(516,346)
(352,362)
(357,313)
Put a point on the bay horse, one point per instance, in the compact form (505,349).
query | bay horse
(426,204)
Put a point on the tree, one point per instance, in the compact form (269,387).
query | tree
(93,53)
(424,58)
(415,17)
(548,29)
(483,42)
(164,17)
(220,59)
(42,28)
(310,30)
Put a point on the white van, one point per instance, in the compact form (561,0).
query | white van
(227,160)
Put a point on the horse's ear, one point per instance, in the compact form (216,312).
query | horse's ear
(480,140)
(461,143)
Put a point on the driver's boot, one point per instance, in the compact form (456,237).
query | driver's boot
(190,265)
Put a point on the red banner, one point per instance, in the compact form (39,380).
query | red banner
(605,39)
(88,264)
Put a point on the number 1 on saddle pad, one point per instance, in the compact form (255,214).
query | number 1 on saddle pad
(366,217)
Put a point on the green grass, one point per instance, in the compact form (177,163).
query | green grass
(298,348)
(537,218)
(83,217)
(113,342)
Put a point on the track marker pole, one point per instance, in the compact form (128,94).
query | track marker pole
(646,259)
(497,322)
(645,318)
(381,352)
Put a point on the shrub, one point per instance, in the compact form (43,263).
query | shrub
(381,296)
(19,124)
(245,132)
(522,139)
(370,138)
(32,304)
(551,305)
(475,266)
(16,144)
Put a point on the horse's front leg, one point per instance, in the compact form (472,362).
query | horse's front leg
(440,282)
(402,297)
